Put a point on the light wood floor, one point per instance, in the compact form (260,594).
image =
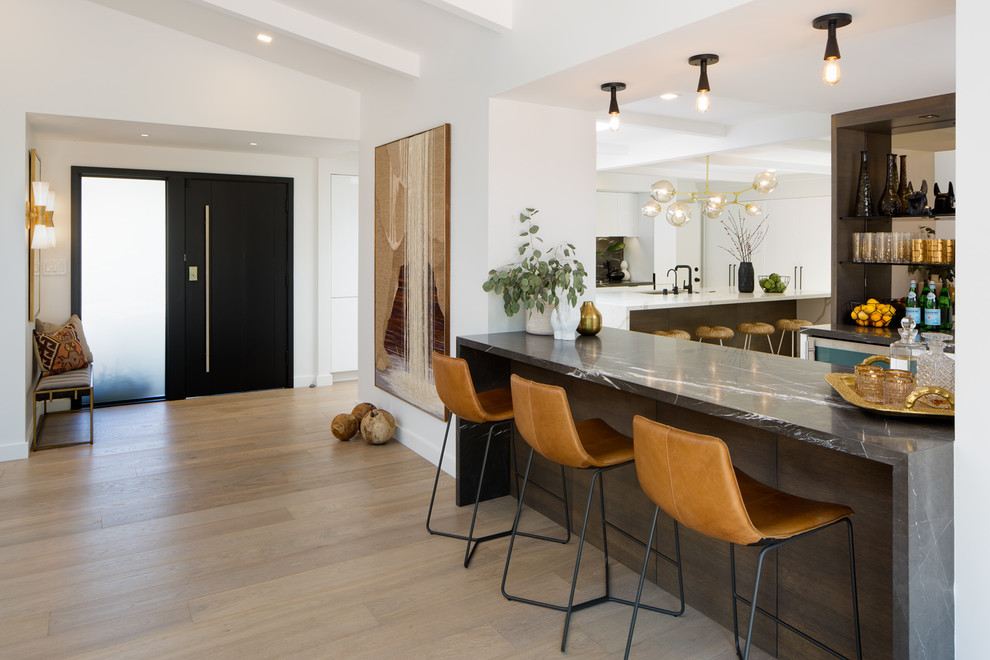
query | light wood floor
(237,527)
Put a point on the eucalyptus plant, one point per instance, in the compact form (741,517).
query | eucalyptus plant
(540,278)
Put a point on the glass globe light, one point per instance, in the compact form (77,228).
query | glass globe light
(651,209)
(765,182)
(716,201)
(678,214)
(753,208)
(614,122)
(712,211)
(662,191)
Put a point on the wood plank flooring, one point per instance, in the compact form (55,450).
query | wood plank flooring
(238,527)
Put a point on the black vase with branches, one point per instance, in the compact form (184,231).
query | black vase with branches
(743,242)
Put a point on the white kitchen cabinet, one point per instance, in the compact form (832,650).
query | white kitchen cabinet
(616,214)
(799,242)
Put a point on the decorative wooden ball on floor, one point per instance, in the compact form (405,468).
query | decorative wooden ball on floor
(378,427)
(362,409)
(344,426)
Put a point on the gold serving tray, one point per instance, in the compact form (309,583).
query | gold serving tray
(845,385)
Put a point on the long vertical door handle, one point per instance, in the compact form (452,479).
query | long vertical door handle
(802,278)
(207,288)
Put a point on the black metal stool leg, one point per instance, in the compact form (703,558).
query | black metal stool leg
(472,542)
(577,561)
(515,528)
(477,498)
(436,479)
(642,579)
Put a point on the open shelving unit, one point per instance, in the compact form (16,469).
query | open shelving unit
(871,129)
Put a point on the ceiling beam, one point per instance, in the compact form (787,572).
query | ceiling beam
(496,15)
(322,33)
(693,126)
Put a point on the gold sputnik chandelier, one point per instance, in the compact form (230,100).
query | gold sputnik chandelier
(679,213)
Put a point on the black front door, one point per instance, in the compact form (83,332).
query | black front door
(237,286)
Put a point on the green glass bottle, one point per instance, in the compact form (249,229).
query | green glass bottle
(931,314)
(945,307)
(912,308)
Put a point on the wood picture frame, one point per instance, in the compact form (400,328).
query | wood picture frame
(412,265)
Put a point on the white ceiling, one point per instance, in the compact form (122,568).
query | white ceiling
(769,105)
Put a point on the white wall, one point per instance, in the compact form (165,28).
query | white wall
(101,63)
(972,450)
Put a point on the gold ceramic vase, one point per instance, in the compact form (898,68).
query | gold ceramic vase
(591,319)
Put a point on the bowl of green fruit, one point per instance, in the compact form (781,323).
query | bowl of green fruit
(774,283)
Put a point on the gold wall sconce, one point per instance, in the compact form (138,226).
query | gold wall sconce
(41,213)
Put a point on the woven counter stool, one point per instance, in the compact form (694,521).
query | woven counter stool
(673,334)
(755,329)
(719,332)
(792,326)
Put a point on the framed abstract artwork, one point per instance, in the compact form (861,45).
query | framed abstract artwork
(412,274)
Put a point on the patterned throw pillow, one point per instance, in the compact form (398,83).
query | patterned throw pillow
(59,351)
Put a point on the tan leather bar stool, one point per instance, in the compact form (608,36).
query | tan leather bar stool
(719,332)
(544,420)
(493,407)
(673,334)
(690,476)
(749,330)
(792,326)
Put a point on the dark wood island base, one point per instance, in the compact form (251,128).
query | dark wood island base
(785,427)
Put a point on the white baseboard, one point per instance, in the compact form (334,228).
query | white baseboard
(15,451)
(324,380)
(429,449)
(340,376)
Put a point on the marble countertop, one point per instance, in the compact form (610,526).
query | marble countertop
(777,393)
(647,299)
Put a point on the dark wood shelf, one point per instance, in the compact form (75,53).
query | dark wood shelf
(941,216)
(890,263)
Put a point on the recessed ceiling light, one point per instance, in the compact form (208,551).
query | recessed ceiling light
(669,96)
(265,38)
(144,135)
(253,144)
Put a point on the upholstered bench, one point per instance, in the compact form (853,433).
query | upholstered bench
(70,384)
(65,363)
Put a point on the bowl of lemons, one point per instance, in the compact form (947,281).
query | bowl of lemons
(873,313)
(774,283)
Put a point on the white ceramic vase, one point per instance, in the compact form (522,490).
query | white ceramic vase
(564,320)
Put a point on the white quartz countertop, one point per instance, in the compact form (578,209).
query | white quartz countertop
(640,299)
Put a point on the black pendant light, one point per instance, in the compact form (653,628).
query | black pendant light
(831,74)
(613,106)
(703,102)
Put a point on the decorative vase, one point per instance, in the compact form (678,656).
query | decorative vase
(591,319)
(902,188)
(564,321)
(864,191)
(537,322)
(890,203)
(746,278)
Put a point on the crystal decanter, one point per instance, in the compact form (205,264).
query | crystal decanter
(934,366)
(906,353)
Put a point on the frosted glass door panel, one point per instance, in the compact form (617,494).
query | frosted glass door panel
(123,286)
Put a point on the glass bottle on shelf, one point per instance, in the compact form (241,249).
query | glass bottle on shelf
(935,368)
(912,309)
(932,314)
(905,352)
(945,307)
